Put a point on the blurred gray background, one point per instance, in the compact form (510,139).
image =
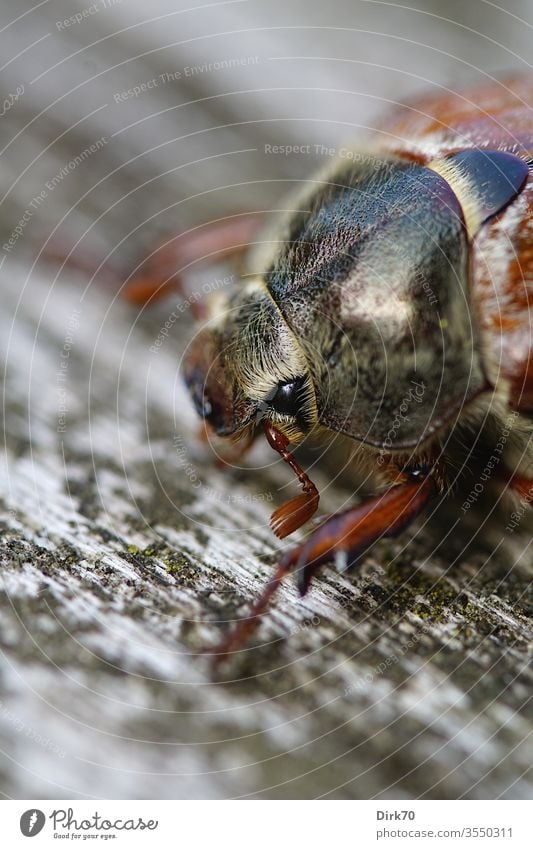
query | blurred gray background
(230,78)
(115,569)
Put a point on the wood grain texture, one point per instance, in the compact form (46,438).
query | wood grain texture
(124,549)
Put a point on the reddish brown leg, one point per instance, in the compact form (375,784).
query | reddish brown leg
(346,536)
(80,259)
(522,486)
(161,272)
(296,512)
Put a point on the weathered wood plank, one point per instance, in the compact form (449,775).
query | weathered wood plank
(409,678)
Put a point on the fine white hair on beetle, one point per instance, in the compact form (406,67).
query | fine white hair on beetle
(341,560)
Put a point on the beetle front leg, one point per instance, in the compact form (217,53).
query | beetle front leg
(348,535)
(343,536)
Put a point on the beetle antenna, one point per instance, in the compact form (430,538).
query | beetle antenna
(296,512)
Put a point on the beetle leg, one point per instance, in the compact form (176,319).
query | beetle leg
(244,629)
(348,535)
(343,536)
(81,259)
(521,485)
(161,272)
(297,511)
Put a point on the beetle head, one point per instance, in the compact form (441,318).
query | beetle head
(206,380)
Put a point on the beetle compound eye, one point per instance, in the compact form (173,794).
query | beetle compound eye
(204,404)
(195,385)
(287,399)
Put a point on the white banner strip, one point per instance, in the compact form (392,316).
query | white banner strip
(267,824)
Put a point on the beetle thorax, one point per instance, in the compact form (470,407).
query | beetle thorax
(374,285)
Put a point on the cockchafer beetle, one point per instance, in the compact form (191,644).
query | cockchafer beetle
(402,275)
